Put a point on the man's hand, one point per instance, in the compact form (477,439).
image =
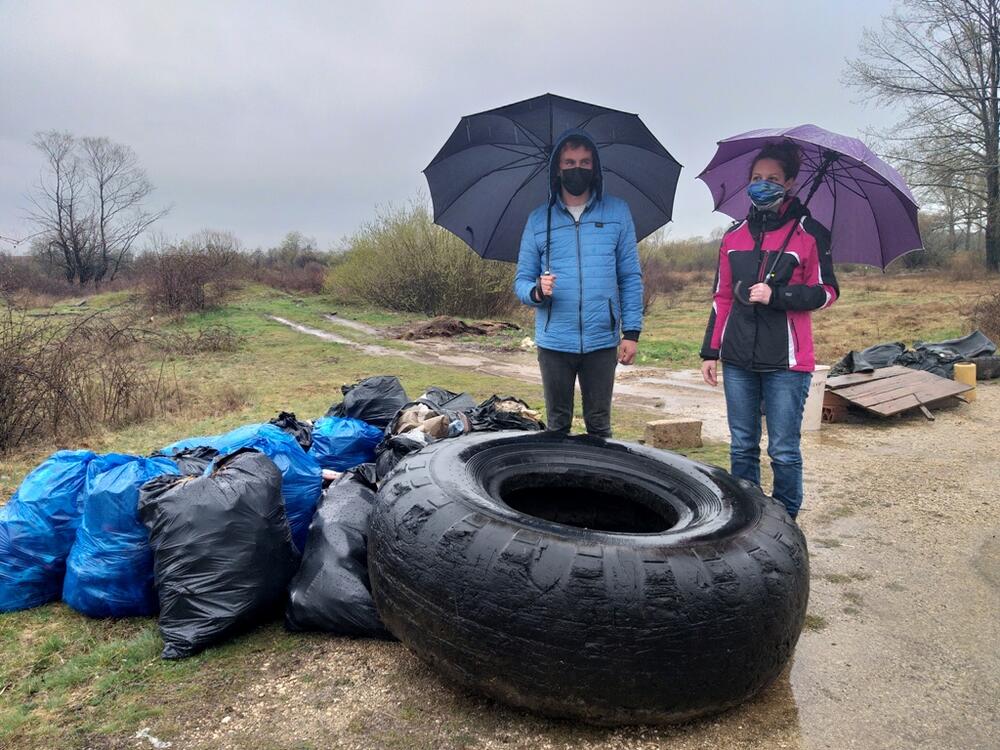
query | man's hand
(546,282)
(709,371)
(760,293)
(626,351)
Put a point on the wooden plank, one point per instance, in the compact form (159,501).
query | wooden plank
(841,381)
(924,390)
(893,390)
(910,401)
(909,379)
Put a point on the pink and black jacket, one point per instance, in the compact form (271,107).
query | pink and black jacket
(776,336)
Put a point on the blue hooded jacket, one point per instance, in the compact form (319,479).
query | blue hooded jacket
(598,288)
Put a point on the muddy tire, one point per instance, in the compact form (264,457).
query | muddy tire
(588,579)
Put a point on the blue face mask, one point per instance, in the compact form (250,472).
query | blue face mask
(766,195)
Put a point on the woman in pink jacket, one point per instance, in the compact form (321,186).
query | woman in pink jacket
(774,270)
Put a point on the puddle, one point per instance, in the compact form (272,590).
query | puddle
(353,324)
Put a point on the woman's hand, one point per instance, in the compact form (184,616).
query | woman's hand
(709,371)
(760,293)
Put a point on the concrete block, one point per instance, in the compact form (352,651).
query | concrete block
(673,434)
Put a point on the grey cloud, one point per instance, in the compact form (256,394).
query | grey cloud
(264,117)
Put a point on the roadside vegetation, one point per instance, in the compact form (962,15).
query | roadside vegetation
(180,344)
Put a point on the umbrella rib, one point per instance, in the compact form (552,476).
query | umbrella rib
(511,165)
(513,195)
(842,174)
(665,155)
(646,195)
(539,142)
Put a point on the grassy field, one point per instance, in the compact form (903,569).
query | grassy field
(66,681)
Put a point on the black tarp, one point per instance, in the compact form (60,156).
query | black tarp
(935,357)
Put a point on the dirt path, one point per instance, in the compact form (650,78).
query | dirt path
(900,651)
(668,393)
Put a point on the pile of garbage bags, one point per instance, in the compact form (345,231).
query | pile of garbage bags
(218,533)
(938,357)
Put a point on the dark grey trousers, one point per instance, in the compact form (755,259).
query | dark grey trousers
(596,371)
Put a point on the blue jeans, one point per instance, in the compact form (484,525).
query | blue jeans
(782,394)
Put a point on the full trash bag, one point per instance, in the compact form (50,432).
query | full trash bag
(341,443)
(331,591)
(37,529)
(505,413)
(223,550)
(109,572)
(373,400)
(302,480)
(394,448)
(301,431)
(192,461)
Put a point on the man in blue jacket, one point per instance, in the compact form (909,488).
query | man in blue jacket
(579,267)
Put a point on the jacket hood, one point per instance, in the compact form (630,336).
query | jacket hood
(598,184)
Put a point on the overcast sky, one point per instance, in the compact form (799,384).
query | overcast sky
(263,117)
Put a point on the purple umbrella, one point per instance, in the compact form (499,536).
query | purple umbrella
(871,213)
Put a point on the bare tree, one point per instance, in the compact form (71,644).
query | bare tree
(119,187)
(940,59)
(88,206)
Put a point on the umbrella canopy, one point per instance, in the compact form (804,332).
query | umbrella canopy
(494,170)
(865,203)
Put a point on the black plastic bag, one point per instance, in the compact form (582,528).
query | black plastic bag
(976,344)
(869,360)
(222,549)
(373,400)
(331,591)
(928,361)
(301,431)
(192,461)
(488,416)
(392,450)
(449,400)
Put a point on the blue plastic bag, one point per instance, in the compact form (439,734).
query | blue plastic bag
(109,572)
(37,529)
(341,443)
(301,475)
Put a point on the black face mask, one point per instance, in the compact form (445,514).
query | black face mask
(577,180)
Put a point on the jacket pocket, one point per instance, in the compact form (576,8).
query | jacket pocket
(611,315)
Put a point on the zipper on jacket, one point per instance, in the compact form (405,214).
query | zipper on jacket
(579,274)
(759,248)
(611,314)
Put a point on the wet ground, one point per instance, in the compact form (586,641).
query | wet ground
(900,648)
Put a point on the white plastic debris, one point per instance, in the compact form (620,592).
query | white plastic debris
(143,734)
(527,344)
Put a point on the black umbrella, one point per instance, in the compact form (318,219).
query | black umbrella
(493,170)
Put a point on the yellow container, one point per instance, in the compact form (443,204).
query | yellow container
(965,372)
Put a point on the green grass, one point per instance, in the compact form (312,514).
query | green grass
(66,680)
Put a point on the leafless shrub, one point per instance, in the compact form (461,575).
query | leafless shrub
(965,266)
(985,314)
(307,279)
(195,275)
(218,338)
(64,376)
